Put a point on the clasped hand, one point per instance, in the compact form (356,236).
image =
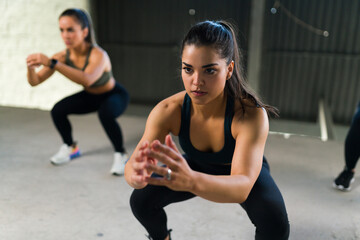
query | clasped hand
(146,163)
(36,60)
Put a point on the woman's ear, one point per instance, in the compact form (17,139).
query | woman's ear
(85,32)
(230,70)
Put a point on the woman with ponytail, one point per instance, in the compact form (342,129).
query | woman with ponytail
(222,128)
(84,63)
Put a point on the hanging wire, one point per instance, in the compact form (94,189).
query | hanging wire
(277,5)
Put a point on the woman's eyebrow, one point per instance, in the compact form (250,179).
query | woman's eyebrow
(209,65)
(205,66)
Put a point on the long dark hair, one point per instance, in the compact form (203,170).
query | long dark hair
(221,35)
(84,20)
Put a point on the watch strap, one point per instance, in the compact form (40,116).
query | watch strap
(53,62)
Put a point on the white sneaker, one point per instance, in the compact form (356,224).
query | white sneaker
(65,154)
(118,166)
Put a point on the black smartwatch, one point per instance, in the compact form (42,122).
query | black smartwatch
(53,62)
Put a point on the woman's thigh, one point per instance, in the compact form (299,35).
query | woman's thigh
(78,103)
(266,208)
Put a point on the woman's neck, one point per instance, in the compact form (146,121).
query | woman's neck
(212,109)
(80,50)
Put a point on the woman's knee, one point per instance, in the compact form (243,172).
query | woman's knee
(58,110)
(109,110)
(356,119)
(106,114)
(139,203)
(268,213)
(272,223)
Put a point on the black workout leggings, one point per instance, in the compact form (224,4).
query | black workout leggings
(352,142)
(264,206)
(109,105)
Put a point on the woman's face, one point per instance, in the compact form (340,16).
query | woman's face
(204,73)
(71,31)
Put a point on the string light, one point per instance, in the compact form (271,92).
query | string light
(277,5)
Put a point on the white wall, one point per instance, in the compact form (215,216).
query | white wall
(29,26)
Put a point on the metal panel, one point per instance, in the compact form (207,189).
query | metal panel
(300,67)
(139,76)
(143,38)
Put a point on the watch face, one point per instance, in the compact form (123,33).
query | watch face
(53,63)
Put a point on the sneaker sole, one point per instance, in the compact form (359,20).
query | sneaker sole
(71,157)
(57,163)
(117,174)
(342,188)
(75,155)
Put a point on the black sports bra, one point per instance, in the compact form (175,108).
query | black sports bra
(224,156)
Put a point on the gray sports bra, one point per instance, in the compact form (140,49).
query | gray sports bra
(105,77)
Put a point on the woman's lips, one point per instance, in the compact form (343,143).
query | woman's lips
(198,93)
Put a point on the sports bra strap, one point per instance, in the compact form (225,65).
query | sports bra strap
(70,63)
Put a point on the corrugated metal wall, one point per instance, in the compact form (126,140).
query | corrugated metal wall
(300,67)
(143,37)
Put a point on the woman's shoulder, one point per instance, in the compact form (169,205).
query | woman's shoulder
(60,56)
(247,108)
(168,111)
(171,104)
(98,51)
(247,114)
(99,55)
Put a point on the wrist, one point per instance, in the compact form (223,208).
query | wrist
(53,62)
(195,183)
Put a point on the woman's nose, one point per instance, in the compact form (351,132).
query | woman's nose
(197,80)
(64,34)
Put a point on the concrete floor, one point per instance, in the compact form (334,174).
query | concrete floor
(81,200)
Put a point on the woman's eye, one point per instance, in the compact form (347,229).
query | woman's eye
(187,69)
(210,70)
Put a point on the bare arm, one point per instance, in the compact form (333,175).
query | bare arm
(163,119)
(246,165)
(95,68)
(36,60)
(93,71)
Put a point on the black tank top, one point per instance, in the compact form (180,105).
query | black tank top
(222,157)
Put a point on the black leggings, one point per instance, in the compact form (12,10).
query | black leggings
(264,206)
(109,106)
(352,142)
